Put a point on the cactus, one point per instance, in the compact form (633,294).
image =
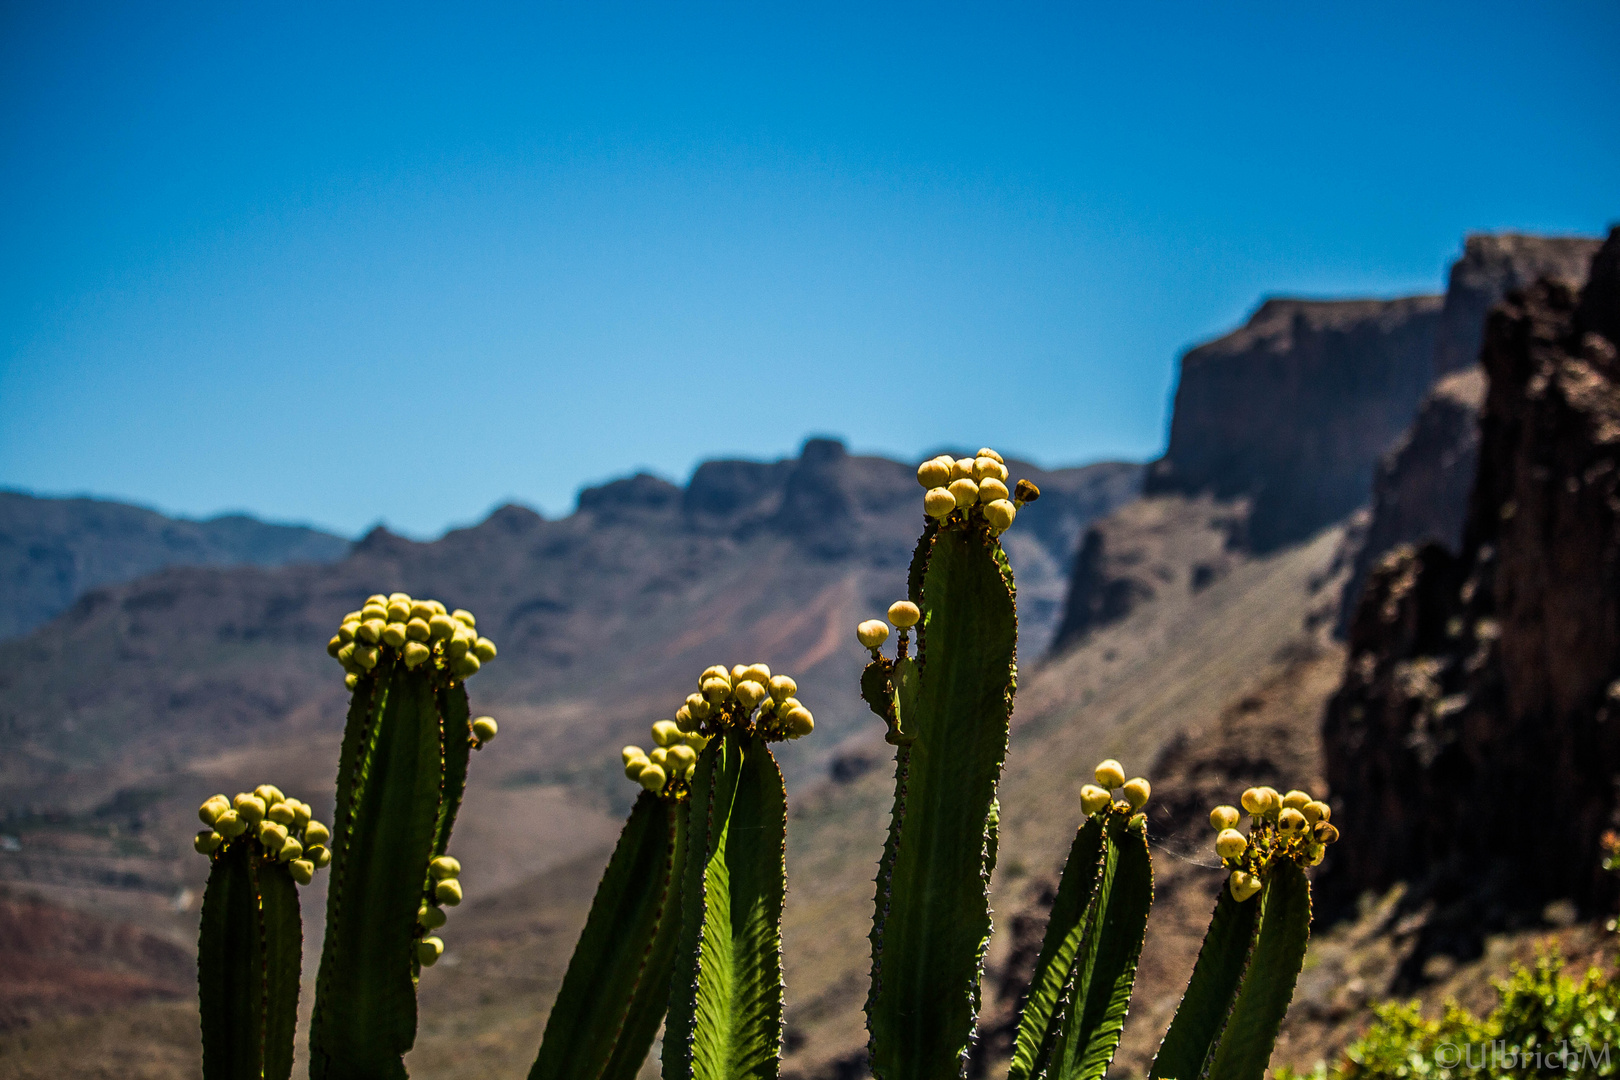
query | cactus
(261,846)
(947,712)
(401,774)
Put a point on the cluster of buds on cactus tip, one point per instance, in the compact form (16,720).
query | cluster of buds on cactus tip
(444,891)
(1099,797)
(278,826)
(1294,826)
(417,631)
(973,489)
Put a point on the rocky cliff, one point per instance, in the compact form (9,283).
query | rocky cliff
(1472,748)
(1294,410)
(54,550)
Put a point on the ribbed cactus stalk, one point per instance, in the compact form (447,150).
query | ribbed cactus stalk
(262,845)
(1244,979)
(1074,1015)
(725,1003)
(401,774)
(947,710)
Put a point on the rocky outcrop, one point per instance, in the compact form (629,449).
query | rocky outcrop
(1294,410)
(1493,265)
(1474,745)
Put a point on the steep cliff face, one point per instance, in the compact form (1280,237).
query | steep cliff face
(1474,745)
(1493,265)
(1294,410)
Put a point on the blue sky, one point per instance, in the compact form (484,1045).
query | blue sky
(348,263)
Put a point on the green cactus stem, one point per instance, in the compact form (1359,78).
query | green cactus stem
(947,712)
(401,775)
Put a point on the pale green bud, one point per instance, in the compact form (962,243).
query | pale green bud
(988,468)
(683,718)
(272,835)
(445,867)
(682,757)
(458,647)
(347,628)
(717,690)
(760,673)
(290,849)
(398,611)
(1260,801)
(698,706)
(376,600)
(933,474)
(1321,811)
(467,666)
(423,610)
(632,753)
(210,810)
(416,654)
(371,630)
(417,630)
(1243,885)
(429,917)
(350,681)
(281,813)
(1223,817)
(1094,800)
(207,842)
(318,855)
(345,655)
(441,627)
(903,613)
(1325,833)
(1137,792)
(962,469)
(750,693)
(985,451)
(1296,799)
(302,871)
(999,514)
(1137,821)
(250,807)
(366,656)
(652,778)
(484,729)
(448,892)
(315,833)
(1110,774)
(634,767)
(664,733)
(484,649)
(393,635)
(1230,844)
(301,813)
(782,687)
(428,951)
(1317,854)
(798,722)
(230,825)
(939,503)
(333,646)
(965,492)
(438,608)
(399,598)
(270,794)
(379,612)
(873,632)
(461,614)
(1291,821)
(991,490)
(715,671)
(659,756)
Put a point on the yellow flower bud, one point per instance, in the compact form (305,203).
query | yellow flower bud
(316,834)
(428,951)
(798,722)
(334,645)
(681,757)
(660,757)
(281,813)
(441,627)
(399,598)
(467,666)
(1094,800)
(272,835)
(438,608)
(375,608)
(985,451)
(1110,774)
(1137,792)
(760,673)
(417,630)
(484,729)
(933,474)
(269,794)
(1317,854)
(290,849)
(664,733)
(448,892)
(939,503)
(416,654)
(1273,800)
(249,807)
(715,671)
(345,655)
(717,690)
(210,810)
(1254,801)
(965,492)
(1325,833)
(445,867)
(484,649)
(634,768)
(962,468)
(207,842)
(398,611)
(992,490)
(423,610)
(1223,817)
(750,693)
(462,615)
(1230,844)
(393,635)
(1243,885)
(366,657)
(782,687)
(458,646)
(350,681)
(320,856)
(873,632)
(371,630)
(904,613)
(1322,810)
(302,871)
(429,917)
(652,778)
(1296,799)
(989,468)
(1291,821)
(230,825)
(347,628)
(1000,514)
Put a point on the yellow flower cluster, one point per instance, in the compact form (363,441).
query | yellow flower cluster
(278,825)
(1098,798)
(970,489)
(416,631)
(444,890)
(666,770)
(1294,826)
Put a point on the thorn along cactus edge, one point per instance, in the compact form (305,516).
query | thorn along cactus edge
(685,931)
